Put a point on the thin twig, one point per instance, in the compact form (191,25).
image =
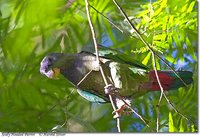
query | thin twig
(174,108)
(107,19)
(161,95)
(97,59)
(68,94)
(72,92)
(128,105)
(161,89)
(145,42)
(84,78)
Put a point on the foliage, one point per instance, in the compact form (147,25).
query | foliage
(30,29)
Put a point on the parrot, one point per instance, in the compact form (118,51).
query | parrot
(127,77)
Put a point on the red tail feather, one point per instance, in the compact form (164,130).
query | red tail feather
(165,80)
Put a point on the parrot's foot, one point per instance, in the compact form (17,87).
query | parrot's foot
(117,115)
(109,89)
(119,111)
(123,108)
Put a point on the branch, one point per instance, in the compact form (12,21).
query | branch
(66,97)
(132,110)
(84,78)
(107,19)
(97,59)
(161,89)
(161,95)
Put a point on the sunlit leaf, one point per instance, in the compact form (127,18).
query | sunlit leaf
(171,123)
(183,125)
(190,8)
(146,59)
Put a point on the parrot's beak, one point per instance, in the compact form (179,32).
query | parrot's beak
(51,73)
(56,72)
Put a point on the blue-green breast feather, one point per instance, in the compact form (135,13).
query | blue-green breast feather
(91,97)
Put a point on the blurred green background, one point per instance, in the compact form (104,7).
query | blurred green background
(29,29)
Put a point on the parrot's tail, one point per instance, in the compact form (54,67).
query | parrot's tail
(168,80)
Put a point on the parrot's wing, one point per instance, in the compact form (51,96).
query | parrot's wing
(91,95)
(114,55)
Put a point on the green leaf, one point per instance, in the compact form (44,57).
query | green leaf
(190,49)
(146,59)
(171,59)
(171,123)
(164,3)
(146,18)
(184,8)
(183,125)
(158,65)
(190,8)
(193,128)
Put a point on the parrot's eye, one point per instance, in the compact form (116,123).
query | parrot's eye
(50,59)
(49,63)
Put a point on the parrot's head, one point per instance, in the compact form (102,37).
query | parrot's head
(50,65)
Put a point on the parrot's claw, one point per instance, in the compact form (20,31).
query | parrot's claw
(119,111)
(109,89)
(117,115)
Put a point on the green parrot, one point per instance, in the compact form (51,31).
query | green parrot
(128,76)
